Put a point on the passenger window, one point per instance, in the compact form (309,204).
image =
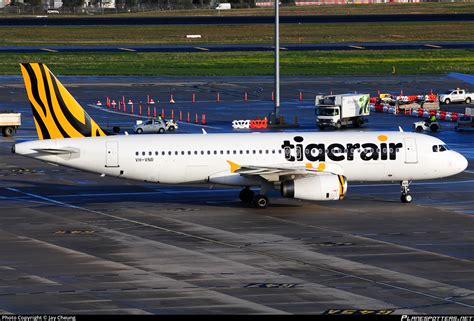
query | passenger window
(260,151)
(266,151)
(137,153)
(241,151)
(247,152)
(435,148)
(169,153)
(150,153)
(189,152)
(228,152)
(182,152)
(195,152)
(222,152)
(208,152)
(163,153)
(273,151)
(234,152)
(202,152)
(143,153)
(254,151)
(156,153)
(279,151)
(215,152)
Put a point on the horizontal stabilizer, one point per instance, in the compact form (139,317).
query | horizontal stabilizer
(56,151)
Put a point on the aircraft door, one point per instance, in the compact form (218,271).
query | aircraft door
(111,154)
(411,154)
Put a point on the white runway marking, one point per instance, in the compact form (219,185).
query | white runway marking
(127,49)
(49,50)
(357,47)
(433,46)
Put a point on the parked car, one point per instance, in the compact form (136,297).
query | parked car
(52,11)
(155,126)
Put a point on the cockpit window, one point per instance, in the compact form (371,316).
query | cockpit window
(440,148)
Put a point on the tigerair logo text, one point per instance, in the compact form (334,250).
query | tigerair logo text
(297,151)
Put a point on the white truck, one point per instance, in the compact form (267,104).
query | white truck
(223,6)
(342,110)
(456,96)
(9,122)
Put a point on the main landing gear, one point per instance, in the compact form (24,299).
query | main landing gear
(406,197)
(248,196)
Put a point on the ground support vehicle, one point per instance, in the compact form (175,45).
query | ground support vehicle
(9,123)
(424,125)
(342,110)
(155,126)
(465,122)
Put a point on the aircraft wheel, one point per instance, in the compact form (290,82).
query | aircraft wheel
(246,195)
(406,198)
(260,201)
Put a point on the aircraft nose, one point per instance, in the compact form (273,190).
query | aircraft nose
(460,163)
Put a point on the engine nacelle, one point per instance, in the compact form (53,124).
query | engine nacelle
(316,188)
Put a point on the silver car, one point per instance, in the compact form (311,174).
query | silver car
(154,126)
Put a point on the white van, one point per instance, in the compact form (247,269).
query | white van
(223,6)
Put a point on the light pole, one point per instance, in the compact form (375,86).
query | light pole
(277,61)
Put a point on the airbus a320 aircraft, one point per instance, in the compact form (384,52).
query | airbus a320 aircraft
(309,166)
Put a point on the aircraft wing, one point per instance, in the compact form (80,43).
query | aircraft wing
(274,173)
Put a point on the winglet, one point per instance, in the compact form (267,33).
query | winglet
(233,166)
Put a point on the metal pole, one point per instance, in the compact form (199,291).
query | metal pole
(277,60)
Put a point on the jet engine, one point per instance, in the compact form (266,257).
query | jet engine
(316,188)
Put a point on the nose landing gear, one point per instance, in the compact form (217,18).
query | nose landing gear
(406,197)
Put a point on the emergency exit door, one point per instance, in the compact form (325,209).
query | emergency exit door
(111,154)
(411,154)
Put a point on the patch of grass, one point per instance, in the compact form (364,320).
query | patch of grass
(249,63)
(290,33)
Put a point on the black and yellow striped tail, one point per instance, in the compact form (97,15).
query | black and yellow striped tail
(56,113)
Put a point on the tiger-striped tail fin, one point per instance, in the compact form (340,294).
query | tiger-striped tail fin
(56,113)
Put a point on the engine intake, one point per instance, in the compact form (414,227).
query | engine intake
(316,188)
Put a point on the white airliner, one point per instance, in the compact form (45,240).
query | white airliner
(310,166)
